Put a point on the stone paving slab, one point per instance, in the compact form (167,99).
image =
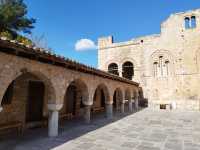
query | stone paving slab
(144,130)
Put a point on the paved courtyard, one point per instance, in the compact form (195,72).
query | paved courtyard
(144,130)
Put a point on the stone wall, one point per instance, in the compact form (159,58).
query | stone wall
(176,44)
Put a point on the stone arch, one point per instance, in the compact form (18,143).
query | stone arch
(110,62)
(9,77)
(122,61)
(76,97)
(127,94)
(27,93)
(105,90)
(117,98)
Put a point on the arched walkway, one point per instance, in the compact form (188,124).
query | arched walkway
(25,100)
(74,101)
(100,98)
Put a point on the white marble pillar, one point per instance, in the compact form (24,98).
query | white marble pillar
(130,105)
(109,110)
(53,119)
(87,114)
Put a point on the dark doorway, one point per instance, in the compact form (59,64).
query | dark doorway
(71,99)
(34,111)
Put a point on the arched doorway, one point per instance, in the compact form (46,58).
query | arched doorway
(99,99)
(117,99)
(128,70)
(113,68)
(25,101)
(76,94)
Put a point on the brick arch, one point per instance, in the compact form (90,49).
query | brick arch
(8,76)
(127,94)
(81,87)
(135,64)
(106,91)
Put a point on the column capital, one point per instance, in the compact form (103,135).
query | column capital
(54,107)
(126,100)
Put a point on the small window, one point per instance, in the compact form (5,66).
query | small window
(128,70)
(193,22)
(7,98)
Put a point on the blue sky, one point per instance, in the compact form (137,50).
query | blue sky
(64,22)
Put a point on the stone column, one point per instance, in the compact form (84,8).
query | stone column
(136,103)
(53,119)
(87,114)
(109,110)
(120,73)
(130,106)
(122,107)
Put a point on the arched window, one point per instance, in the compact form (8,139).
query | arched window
(190,22)
(128,70)
(167,67)
(113,68)
(161,68)
(187,23)
(193,22)
(155,67)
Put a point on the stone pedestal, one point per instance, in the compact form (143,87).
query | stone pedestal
(122,108)
(130,106)
(109,111)
(53,119)
(87,114)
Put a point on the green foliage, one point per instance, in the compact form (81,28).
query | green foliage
(24,40)
(6,34)
(13,17)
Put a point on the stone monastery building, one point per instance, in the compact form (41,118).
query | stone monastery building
(167,65)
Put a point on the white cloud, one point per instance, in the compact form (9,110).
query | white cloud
(85,44)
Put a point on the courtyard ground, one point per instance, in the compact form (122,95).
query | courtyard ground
(143,130)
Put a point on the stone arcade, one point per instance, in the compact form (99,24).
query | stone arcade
(39,88)
(166,64)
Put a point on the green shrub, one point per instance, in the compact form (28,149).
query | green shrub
(6,34)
